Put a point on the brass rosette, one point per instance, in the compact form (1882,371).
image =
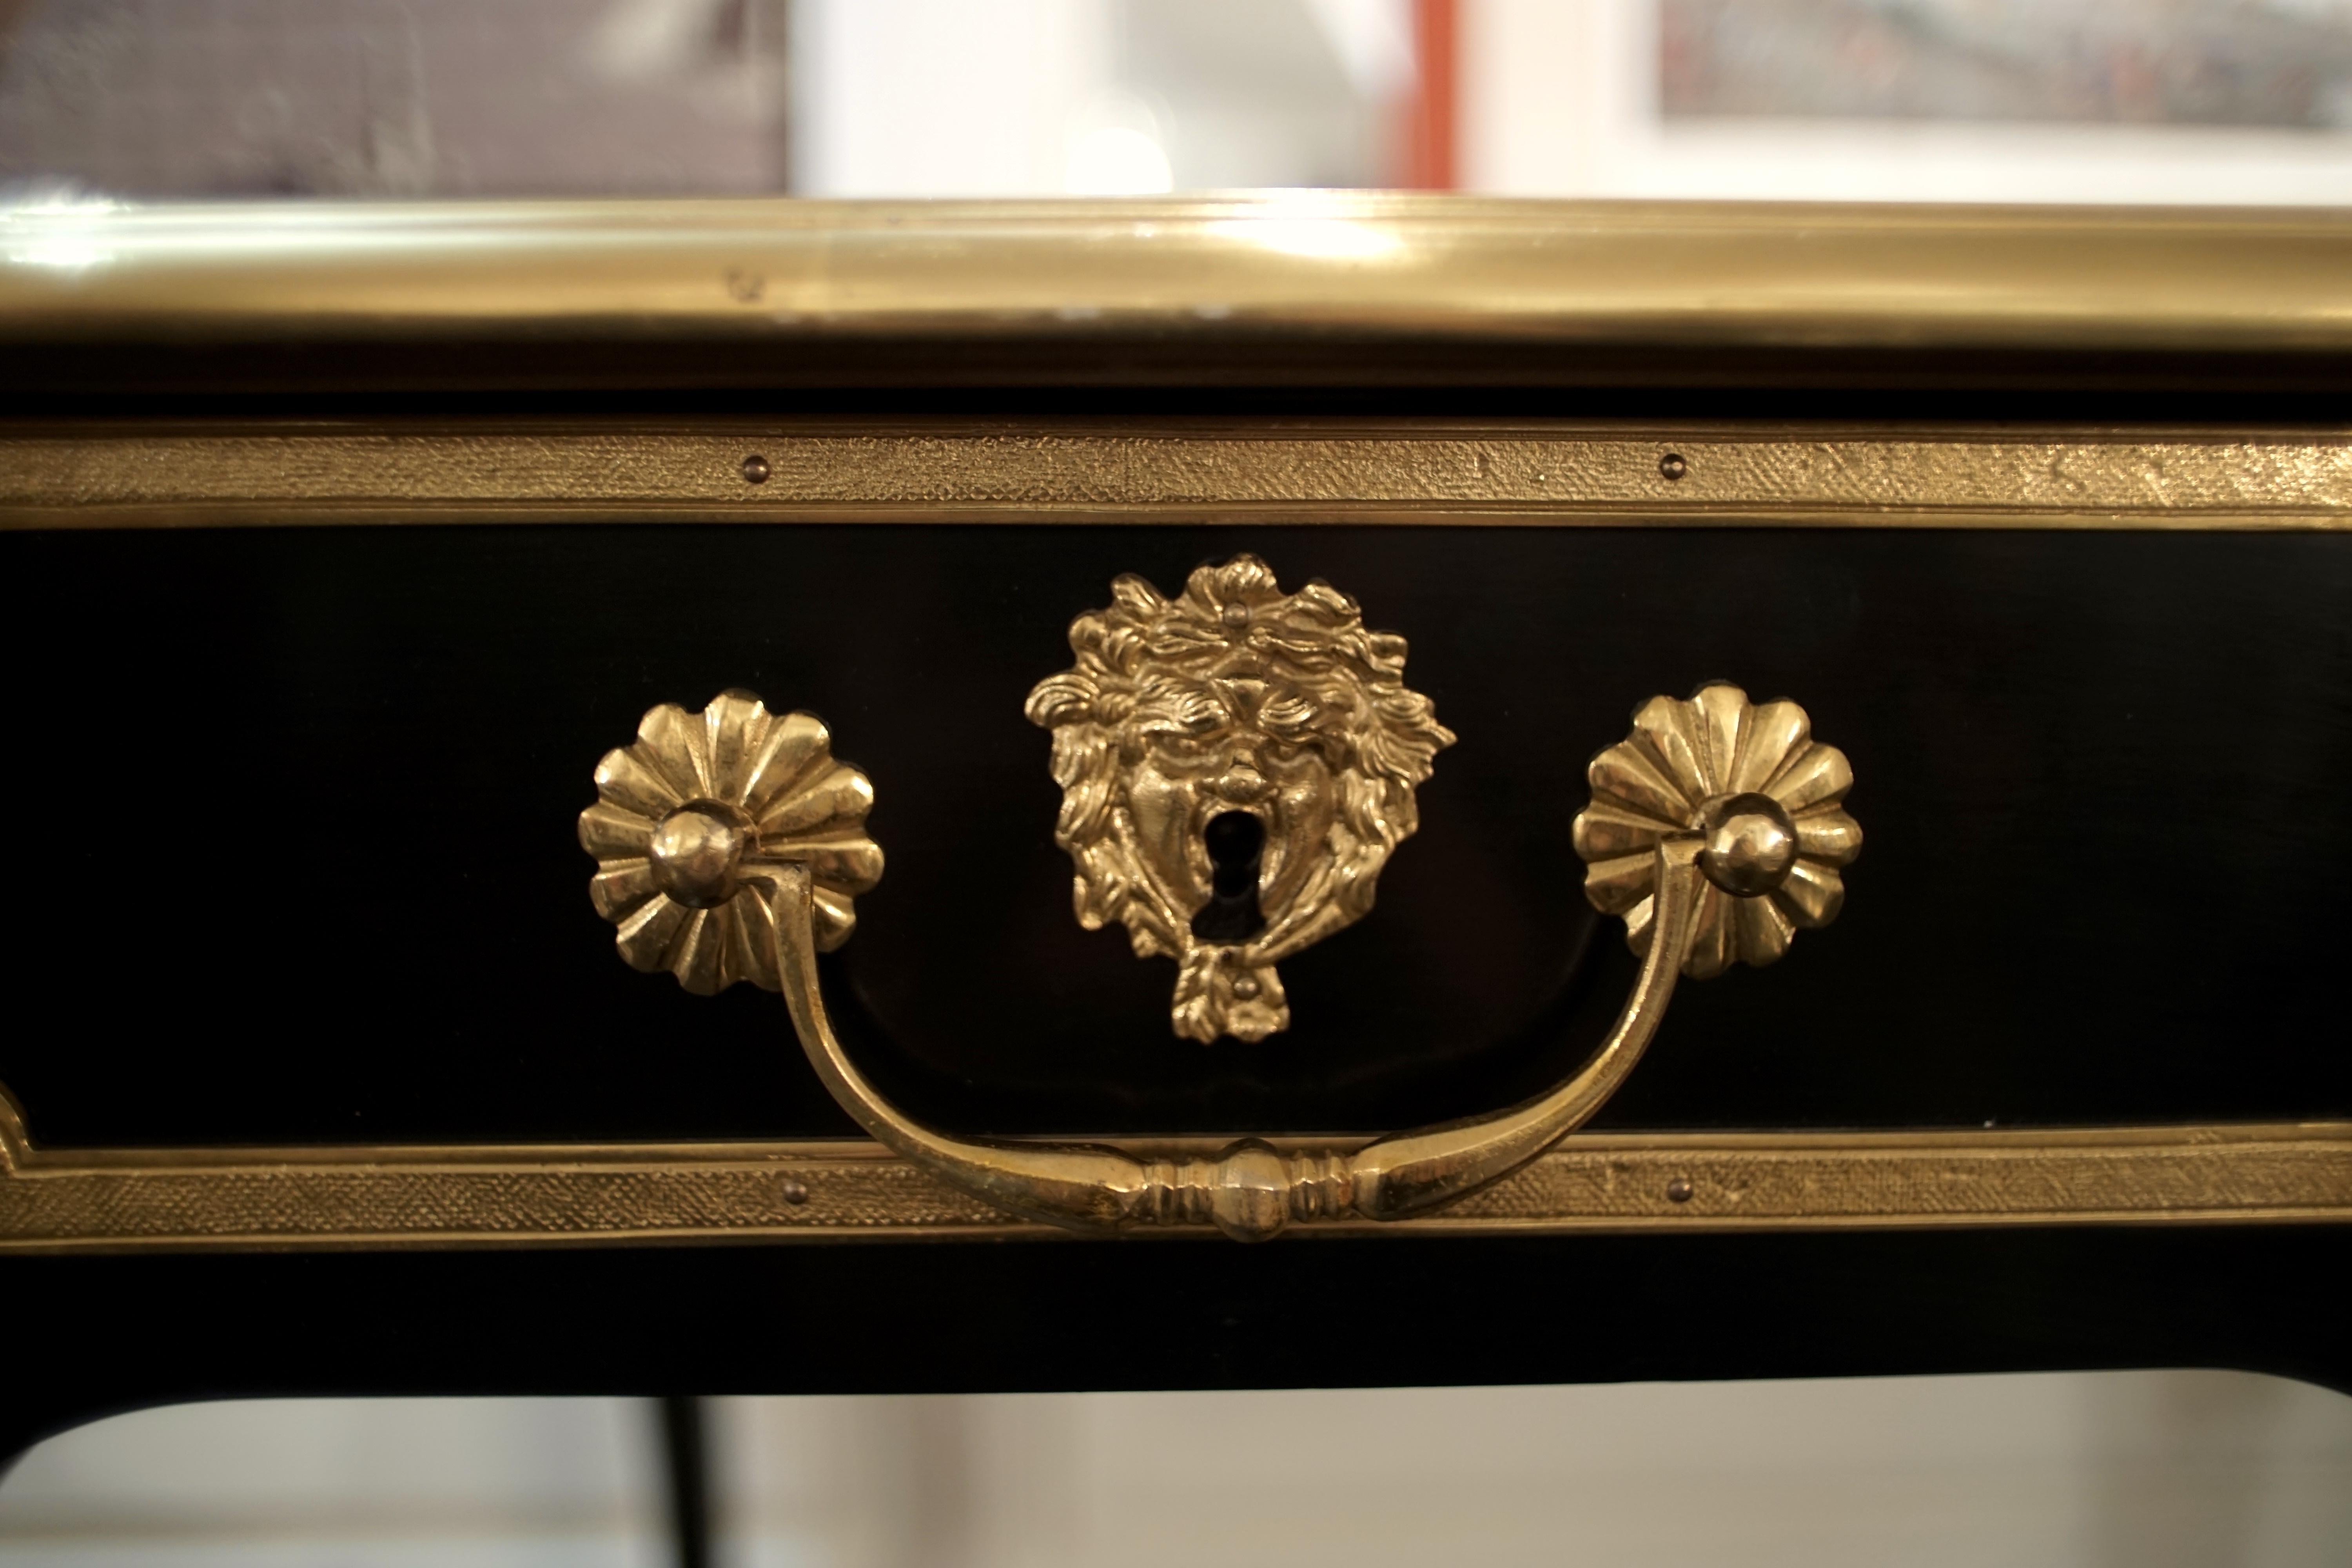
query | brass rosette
(1749,778)
(699,800)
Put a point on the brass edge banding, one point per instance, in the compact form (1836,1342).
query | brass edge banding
(118,475)
(417,1196)
(1206,279)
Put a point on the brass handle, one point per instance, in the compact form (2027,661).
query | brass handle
(1249,1190)
(738,841)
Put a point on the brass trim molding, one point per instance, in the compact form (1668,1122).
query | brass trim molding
(163,475)
(1285,287)
(555,1196)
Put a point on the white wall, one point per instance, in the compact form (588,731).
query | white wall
(941,98)
(2092,1470)
(1008,98)
(2143,1469)
(302,1483)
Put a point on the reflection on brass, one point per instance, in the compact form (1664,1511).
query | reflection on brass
(1249,1189)
(1554,472)
(573,1194)
(1265,287)
(1233,713)
(698,797)
(1762,794)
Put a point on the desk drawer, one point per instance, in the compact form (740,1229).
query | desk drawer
(358,681)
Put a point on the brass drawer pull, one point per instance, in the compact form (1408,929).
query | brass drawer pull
(732,845)
(735,884)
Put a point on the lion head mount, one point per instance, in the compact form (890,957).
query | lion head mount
(1236,763)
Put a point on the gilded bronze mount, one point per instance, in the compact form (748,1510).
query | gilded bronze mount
(1273,727)
(729,846)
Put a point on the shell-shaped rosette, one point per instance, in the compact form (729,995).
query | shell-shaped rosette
(1659,781)
(776,779)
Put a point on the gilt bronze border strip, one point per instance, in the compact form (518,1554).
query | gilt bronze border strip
(418,1196)
(1557,474)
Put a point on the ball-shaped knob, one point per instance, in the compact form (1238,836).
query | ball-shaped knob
(1750,844)
(697,851)
(1250,1192)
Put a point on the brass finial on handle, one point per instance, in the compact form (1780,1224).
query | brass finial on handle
(1763,798)
(780,876)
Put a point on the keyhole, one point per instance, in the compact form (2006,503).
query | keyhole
(1233,841)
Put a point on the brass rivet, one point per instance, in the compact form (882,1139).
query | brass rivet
(793,1192)
(755,470)
(1672,467)
(1679,1190)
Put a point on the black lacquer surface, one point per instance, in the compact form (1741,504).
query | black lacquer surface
(117,1331)
(294,854)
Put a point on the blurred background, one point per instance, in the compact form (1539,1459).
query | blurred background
(2128,1469)
(2072,100)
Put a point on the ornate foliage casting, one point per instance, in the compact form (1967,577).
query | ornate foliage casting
(1232,700)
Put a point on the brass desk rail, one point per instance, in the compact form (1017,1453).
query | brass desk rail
(1355,289)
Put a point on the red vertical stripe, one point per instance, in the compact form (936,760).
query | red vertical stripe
(1432,114)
